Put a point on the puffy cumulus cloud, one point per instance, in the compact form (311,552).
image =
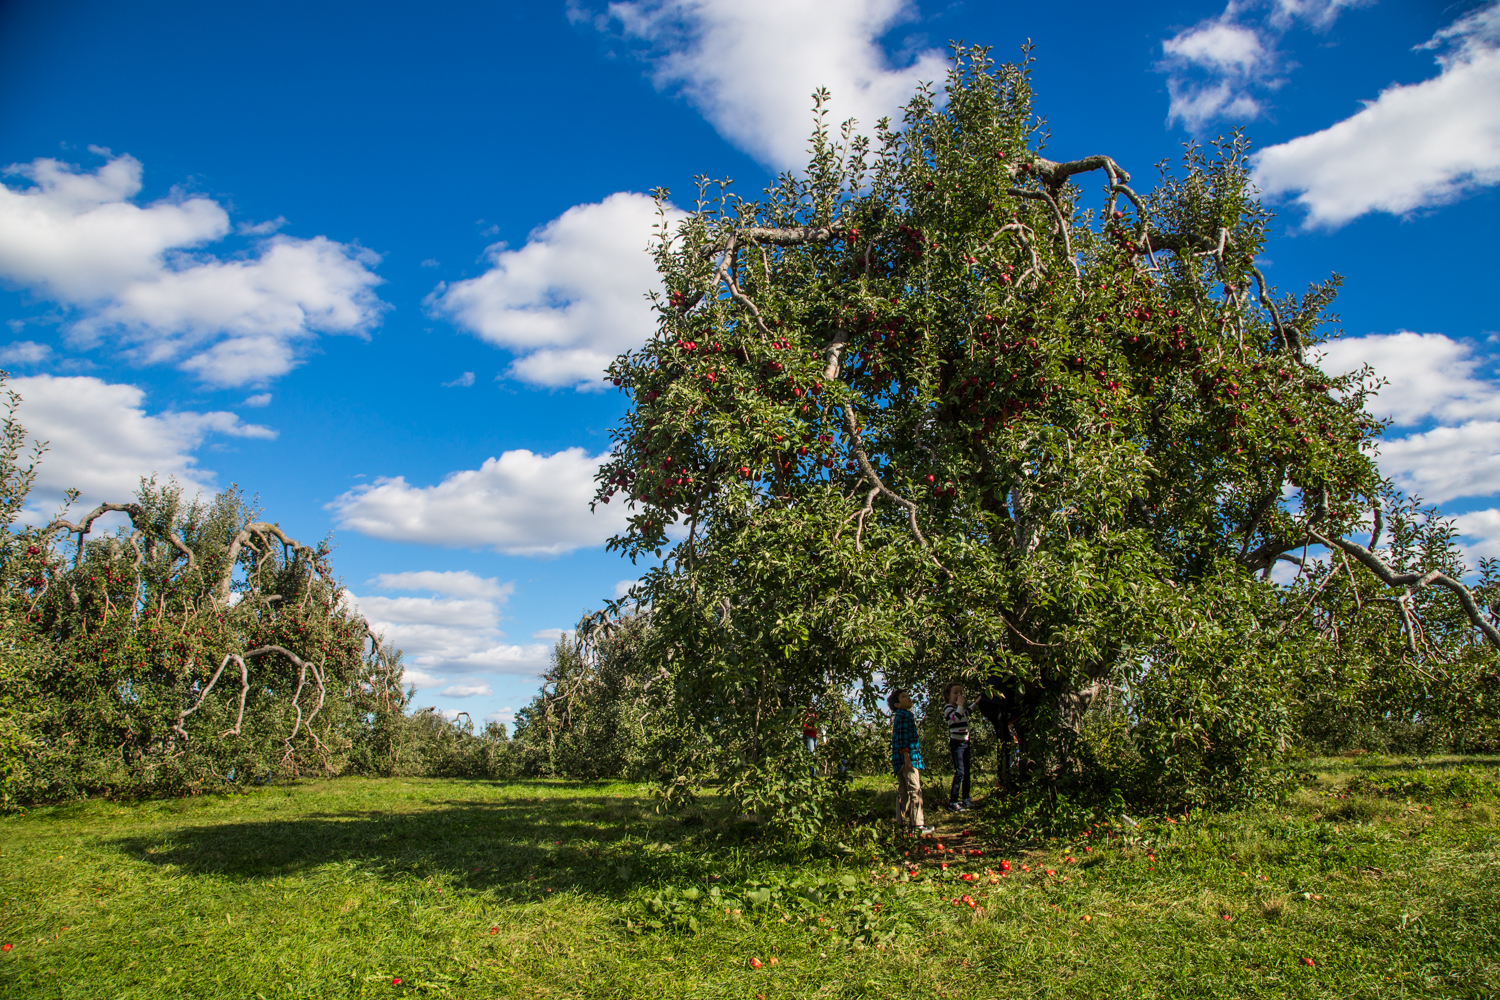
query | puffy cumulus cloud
(452,583)
(131,274)
(750,68)
(1225,48)
(1429,376)
(455,631)
(1413,146)
(1431,380)
(1481,531)
(520,504)
(1446,462)
(1216,68)
(1212,69)
(101,441)
(24,352)
(466,690)
(570,300)
(77,237)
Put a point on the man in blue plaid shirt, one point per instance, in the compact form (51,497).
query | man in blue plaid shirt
(906,761)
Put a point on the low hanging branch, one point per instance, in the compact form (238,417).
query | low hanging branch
(244,691)
(1413,581)
(303,669)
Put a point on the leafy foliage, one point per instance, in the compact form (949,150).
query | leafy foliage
(924,413)
(195,648)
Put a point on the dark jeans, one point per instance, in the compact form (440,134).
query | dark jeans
(960,751)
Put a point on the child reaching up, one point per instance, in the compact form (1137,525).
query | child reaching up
(957,714)
(906,761)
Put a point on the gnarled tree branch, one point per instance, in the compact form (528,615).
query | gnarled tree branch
(264,531)
(1415,581)
(134,510)
(791,237)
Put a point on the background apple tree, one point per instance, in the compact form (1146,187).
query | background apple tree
(944,407)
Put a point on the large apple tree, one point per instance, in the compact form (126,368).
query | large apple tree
(943,406)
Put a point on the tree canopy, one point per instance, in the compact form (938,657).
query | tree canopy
(944,407)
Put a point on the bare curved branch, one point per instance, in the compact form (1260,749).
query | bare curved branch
(135,511)
(794,236)
(244,691)
(1415,581)
(264,531)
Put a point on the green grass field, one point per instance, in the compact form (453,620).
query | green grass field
(1384,874)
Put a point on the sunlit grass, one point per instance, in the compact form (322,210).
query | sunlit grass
(481,889)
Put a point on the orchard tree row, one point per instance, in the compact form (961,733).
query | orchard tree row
(195,647)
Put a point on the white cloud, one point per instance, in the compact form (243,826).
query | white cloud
(1483,527)
(519,504)
(446,635)
(259,399)
(1430,376)
(751,68)
(1215,68)
(422,612)
(463,381)
(102,441)
(24,352)
(1415,145)
(420,679)
(1215,45)
(130,273)
(466,690)
(1195,106)
(1446,462)
(506,714)
(453,583)
(550,634)
(1212,69)
(570,300)
(1317,13)
(623,588)
(1432,379)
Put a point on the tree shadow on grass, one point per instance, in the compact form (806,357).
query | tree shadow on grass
(527,848)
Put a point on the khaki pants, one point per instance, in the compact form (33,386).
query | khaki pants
(909,798)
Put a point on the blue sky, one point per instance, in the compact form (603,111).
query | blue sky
(366,260)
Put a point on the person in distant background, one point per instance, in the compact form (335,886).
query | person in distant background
(810,735)
(906,761)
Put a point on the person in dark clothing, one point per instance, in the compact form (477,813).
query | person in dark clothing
(1003,703)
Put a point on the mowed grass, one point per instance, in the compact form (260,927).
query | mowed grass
(547,889)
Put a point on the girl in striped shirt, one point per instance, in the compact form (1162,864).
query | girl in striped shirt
(957,714)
